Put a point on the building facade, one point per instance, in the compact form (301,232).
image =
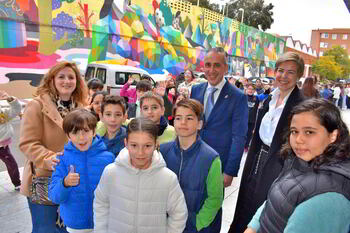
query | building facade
(307,53)
(324,39)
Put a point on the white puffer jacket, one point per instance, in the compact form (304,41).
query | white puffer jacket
(130,200)
(6,115)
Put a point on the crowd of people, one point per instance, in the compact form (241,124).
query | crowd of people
(158,158)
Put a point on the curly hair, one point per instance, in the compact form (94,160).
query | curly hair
(47,84)
(330,118)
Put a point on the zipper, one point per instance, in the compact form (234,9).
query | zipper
(137,202)
(257,163)
(182,157)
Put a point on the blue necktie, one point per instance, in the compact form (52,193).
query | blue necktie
(210,101)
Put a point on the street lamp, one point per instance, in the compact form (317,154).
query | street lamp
(241,9)
(226,5)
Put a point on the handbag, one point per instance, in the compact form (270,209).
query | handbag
(39,190)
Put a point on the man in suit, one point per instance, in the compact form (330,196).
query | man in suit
(226,113)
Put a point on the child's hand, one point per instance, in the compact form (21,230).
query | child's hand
(5,96)
(52,161)
(130,80)
(160,89)
(72,179)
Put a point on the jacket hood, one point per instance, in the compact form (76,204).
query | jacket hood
(96,147)
(341,168)
(123,159)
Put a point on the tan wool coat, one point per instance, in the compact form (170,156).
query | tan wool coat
(41,137)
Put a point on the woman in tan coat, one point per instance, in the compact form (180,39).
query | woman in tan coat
(42,137)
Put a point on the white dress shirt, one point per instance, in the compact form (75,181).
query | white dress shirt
(270,120)
(216,93)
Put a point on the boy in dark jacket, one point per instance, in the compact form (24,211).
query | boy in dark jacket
(113,111)
(253,104)
(79,171)
(198,168)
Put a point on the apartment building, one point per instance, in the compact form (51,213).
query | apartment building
(323,39)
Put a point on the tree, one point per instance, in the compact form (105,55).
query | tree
(256,12)
(341,58)
(327,67)
(85,19)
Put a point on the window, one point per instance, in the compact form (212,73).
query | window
(101,74)
(334,36)
(122,77)
(89,73)
(345,36)
(324,35)
(323,45)
(343,46)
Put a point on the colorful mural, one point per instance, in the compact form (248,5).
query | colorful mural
(156,35)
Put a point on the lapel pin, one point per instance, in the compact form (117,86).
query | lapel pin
(226,96)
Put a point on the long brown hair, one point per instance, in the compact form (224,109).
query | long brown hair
(47,85)
(308,88)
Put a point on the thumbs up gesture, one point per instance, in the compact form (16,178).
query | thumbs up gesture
(72,179)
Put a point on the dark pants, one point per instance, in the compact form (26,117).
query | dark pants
(10,162)
(44,218)
(249,134)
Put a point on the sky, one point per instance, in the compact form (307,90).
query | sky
(299,17)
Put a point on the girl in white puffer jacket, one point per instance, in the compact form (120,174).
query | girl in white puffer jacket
(137,193)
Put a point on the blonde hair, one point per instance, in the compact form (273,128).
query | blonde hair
(292,56)
(47,85)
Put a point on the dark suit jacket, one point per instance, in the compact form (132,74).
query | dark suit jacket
(226,129)
(254,187)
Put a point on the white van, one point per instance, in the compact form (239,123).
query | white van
(114,76)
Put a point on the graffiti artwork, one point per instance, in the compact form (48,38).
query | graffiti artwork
(156,35)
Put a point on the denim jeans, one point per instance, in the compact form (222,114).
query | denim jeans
(44,218)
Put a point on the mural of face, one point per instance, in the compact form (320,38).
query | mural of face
(176,23)
(159,18)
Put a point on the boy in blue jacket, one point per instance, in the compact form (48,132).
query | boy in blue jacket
(113,115)
(79,170)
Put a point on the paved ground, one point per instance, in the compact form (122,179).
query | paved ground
(15,216)
(14,212)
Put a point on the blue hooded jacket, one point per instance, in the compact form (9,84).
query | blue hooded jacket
(116,144)
(76,202)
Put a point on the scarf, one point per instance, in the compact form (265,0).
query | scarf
(64,107)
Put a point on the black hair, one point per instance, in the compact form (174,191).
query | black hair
(330,118)
(104,93)
(78,119)
(95,84)
(144,85)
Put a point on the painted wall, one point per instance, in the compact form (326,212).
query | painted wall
(159,35)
